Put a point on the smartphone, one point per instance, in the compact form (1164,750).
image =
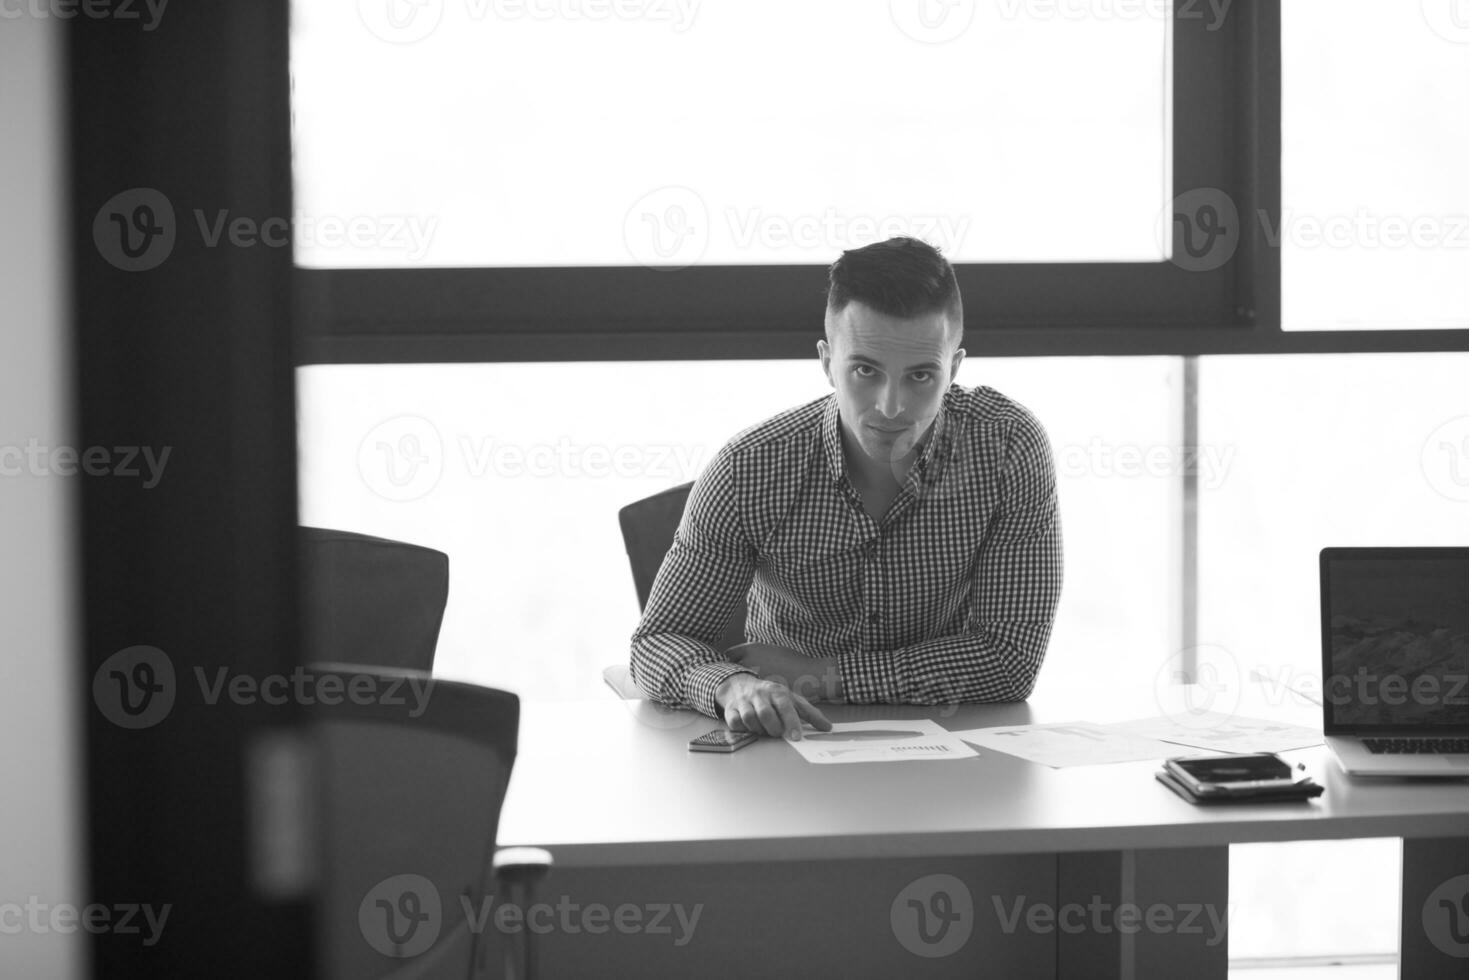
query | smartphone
(1231,773)
(722,740)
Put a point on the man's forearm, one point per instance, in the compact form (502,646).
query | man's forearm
(814,678)
(820,679)
(996,664)
(680,671)
(828,682)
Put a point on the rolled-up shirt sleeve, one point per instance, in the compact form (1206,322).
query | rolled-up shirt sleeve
(701,582)
(1011,602)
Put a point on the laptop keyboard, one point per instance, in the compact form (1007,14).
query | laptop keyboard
(1417,746)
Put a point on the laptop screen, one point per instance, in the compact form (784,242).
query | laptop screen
(1395,638)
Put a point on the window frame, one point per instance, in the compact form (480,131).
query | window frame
(1226,135)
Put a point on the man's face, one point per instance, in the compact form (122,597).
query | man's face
(890,375)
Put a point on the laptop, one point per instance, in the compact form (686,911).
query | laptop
(1395,660)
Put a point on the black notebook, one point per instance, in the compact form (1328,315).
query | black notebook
(1301,789)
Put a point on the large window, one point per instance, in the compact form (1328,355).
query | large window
(1330,450)
(760,132)
(1374,229)
(517,472)
(487,180)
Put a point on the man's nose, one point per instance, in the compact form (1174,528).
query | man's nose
(889,402)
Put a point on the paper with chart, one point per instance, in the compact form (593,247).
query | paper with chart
(1073,743)
(1222,733)
(881,741)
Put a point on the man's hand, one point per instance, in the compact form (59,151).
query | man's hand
(765,707)
(811,677)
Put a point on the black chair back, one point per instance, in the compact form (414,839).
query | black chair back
(371,600)
(412,773)
(648,526)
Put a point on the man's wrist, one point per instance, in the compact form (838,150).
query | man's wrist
(822,683)
(726,685)
(836,687)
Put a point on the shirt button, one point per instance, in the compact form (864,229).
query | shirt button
(873,618)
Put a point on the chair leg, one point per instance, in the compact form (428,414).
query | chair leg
(515,869)
(518,951)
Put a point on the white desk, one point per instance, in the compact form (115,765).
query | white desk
(799,865)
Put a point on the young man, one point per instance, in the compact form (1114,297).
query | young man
(897,541)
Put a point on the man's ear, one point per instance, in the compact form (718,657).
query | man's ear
(823,351)
(954,367)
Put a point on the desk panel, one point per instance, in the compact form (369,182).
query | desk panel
(808,919)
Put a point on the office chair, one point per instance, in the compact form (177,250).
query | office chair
(648,526)
(371,600)
(412,775)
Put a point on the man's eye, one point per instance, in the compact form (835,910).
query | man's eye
(922,377)
(863,371)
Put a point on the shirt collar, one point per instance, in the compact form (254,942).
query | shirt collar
(935,447)
(929,464)
(831,439)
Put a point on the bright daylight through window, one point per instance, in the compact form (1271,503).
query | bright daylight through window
(496,134)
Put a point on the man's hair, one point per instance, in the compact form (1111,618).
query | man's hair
(901,277)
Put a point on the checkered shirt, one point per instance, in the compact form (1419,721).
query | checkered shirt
(948,599)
